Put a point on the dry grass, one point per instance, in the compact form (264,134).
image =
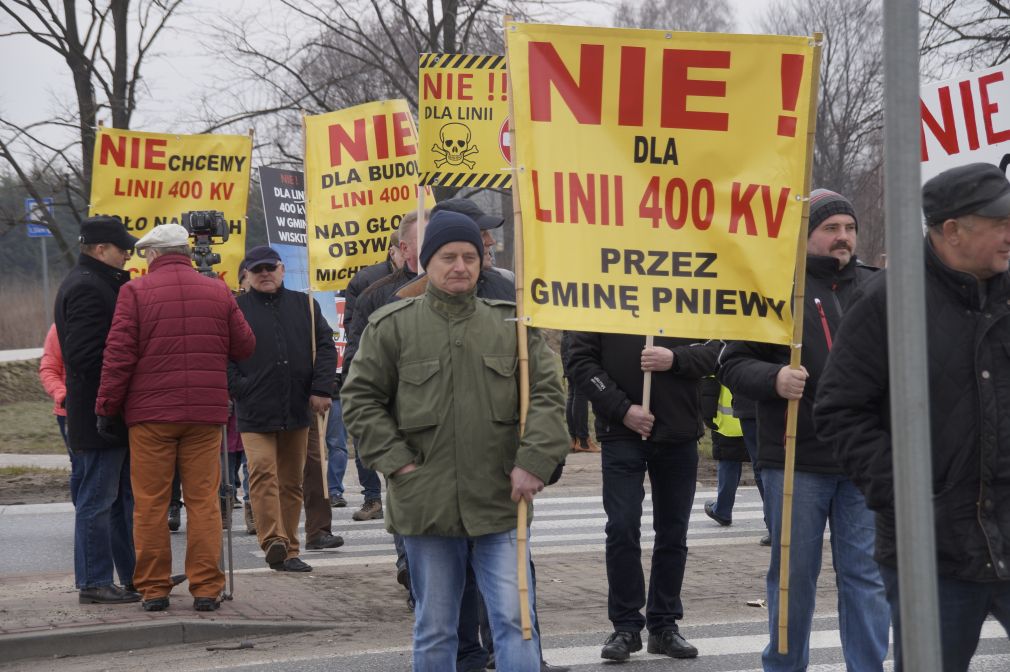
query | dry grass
(25,315)
(30,427)
(38,471)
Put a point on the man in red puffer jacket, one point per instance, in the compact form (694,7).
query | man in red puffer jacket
(165,371)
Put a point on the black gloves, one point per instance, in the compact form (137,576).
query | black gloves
(113,430)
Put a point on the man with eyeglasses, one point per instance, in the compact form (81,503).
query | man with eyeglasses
(103,523)
(278,391)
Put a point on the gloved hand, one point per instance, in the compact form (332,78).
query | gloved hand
(113,429)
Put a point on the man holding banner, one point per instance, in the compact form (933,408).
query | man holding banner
(822,492)
(609,368)
(967,210)
(433,397)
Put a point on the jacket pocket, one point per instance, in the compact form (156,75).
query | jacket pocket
(502,387)
(416,395)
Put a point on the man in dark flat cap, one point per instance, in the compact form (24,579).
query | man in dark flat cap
(103,525)
(967,253)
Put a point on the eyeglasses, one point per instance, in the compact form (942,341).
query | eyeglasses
(259,268)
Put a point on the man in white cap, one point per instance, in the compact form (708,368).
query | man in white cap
(165,371)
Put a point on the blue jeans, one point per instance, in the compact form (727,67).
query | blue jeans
(672,469)
(245,479)
(438,575)
(964,606)
(103,525)
(749,428)
(371,486)
(863,615)
(336,448)
(729,479)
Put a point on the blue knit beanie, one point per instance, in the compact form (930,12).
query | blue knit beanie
(448,227)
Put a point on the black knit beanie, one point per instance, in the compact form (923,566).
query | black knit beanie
(824,204)
(448,227)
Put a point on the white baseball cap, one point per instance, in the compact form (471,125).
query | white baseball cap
(166,235)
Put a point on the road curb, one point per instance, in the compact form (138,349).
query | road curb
(89,640)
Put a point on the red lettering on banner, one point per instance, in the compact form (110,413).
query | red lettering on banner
(119,151)
(584,98)
(989,108)
(968,107)
(402,130)
(585,201)
(677,87)
(631,99)
(946,134)
(381,137)
(356,146)
(741,208)
(432,86)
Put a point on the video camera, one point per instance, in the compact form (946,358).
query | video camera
(206,228)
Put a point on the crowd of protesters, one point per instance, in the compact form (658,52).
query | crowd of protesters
(147,372)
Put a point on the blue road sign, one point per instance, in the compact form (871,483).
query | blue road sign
(33,215)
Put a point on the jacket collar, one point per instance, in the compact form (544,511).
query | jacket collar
(451,306)
(268,297)
(827,267)
(971,291)
(117,277)
(170,260)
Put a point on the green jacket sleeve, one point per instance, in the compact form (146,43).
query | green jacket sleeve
(367,397)
(545,442)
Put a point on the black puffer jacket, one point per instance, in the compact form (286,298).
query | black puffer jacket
(968,334)
(750,368)
(361,281)
(83,313)
(608,369)
(374,297)
(271,389)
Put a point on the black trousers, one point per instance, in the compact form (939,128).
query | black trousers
(672,470)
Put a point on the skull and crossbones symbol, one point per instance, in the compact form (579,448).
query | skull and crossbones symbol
(455,146)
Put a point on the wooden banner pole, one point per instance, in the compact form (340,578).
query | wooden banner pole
(792,408)
(647,381)
(522,524)
(321,420)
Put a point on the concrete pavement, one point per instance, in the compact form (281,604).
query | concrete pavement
(361,603)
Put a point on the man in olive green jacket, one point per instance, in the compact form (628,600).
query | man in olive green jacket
(433,394)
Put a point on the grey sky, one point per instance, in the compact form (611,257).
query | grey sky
(35,83)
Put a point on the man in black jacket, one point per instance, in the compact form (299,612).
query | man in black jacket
(278,392)
(968,327)
(103,524)
(662,441)
(821,492)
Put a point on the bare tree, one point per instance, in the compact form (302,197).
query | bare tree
(964,34)
(848,140)
(714,16)
(94,40)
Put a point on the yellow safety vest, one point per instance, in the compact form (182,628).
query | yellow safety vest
(726,423)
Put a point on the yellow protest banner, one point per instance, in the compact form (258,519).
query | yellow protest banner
(661,178)
(462,110)
(149,179)
(360,179)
